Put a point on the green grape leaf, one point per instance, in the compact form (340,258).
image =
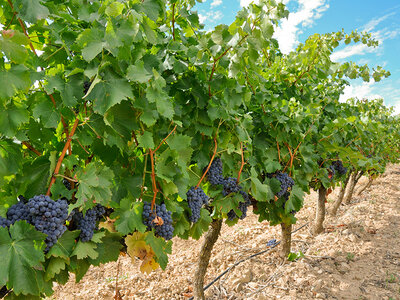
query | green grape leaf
(21,252)
(65,245)
(11,118)
(95,182)
(160,247)
(130,216)
(55,266)
(31,10)
(108,249)
(106,94)
(85,249)
(138,73)
(146,140)
(202,224)
(14,79)
(47,113)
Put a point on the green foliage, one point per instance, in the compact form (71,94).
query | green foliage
(162,97)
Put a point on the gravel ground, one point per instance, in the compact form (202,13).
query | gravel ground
(357,257)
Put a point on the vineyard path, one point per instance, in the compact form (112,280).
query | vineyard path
(357,257)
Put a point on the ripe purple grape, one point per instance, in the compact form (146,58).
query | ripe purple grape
(230,186)
(87,223)
(196,199)
(166,230)
(214,174)
(48,216)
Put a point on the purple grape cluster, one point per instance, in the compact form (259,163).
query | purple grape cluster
(48,216)
(18,212)
(87,223)
(196,198)
(286,184)
(214,174)
(242,207)
(230,186)
(166,230)
(338,167)
(4,222)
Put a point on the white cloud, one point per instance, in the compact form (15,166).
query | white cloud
(360,91)
(247,2)
(348,51)
(216,3)
(376,21)
(210,17)
(309,11)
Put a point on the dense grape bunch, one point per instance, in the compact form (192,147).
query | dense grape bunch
(338,166)
(18,212)
(196,198)
(164,230)
(286,184)
(87,223)
(4,222)
(230,186)
(214,174)
(242,207)
(48,216)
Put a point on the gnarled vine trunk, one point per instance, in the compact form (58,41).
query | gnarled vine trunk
(204,258)
(353,182)
(318,226)
(369,183)
(286,241)
(339,199)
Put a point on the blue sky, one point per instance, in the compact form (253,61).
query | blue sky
(381,18)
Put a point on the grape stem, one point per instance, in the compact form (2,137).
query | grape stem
(66,147)
(209,164)
(66,177)
(153,179)
(242,164)
(279,152)
(162,142)
(30,147)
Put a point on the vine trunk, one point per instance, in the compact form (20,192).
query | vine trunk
(204,258)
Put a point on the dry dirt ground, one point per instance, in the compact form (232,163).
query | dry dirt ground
(358,257)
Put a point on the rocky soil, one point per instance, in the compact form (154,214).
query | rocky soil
(357,257)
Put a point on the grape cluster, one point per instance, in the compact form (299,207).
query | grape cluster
(230,186)
(286,184)
(214,174)
(18,212)
(48,216)
(165,230)
(338,166)
(4,222)
(271,242)
(196,198)
(87,223)
(242,207)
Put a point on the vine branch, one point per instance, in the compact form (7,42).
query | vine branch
(209,164)
(30,147)
(242,164)
(58,166)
